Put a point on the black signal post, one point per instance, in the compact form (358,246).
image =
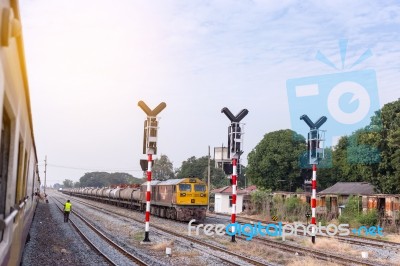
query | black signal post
(315,154)
(149,147)
(234,148)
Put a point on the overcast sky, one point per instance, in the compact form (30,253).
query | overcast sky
(90,62)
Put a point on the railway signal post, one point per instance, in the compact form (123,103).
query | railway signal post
(234,148)
(149,148)
(315,154)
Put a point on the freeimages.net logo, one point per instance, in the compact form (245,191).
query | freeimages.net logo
(347,98)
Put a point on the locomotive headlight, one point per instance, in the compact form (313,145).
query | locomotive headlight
(183,194)
(202,195)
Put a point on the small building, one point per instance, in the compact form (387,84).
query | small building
(387,205)
(303,196)
(247,206)
(223,199)
(332,199)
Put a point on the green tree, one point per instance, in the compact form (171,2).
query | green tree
(372,153)
(388,178)
(218,178)
(276,158)
(103,179)
(94,179)
(198,167)
(193,167)
(162,168)
(68,183)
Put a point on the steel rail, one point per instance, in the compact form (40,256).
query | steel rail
(108,240)
(192,239)
(352,239)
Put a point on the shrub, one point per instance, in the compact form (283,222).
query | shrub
(261,199)
(368,219)
(291,204)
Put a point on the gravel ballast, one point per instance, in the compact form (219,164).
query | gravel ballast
(53,242)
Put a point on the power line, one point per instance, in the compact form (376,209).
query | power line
(94,169)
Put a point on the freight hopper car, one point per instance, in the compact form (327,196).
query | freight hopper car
(178,199)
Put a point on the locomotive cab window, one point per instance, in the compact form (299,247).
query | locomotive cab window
(201,188)
(185,187)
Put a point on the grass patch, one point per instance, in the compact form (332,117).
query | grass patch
(188,254)
(332,244)
(262,251)
(393,238)
(137,236)
(163,245)
(301,261)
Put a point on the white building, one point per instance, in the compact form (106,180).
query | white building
(223,199)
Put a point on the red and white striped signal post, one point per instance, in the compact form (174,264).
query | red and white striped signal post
(315,154)
(148,198)
(234,192)
(313,201)
(234,147)
(149,147)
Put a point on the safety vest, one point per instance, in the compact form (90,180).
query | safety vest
(67,207)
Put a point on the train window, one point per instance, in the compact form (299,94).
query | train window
(200,188)
(25,175)
(18,188)
(185,187)
(33,181)
(4,156)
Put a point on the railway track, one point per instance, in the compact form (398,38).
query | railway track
(199,242)
(112,247)
(322,255)
(317,254)
(351,239)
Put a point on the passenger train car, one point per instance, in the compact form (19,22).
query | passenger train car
(19,178)
(178,199)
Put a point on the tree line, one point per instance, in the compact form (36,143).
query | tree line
(102,179)
(370,154)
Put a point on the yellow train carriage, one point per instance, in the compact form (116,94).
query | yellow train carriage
(179,199)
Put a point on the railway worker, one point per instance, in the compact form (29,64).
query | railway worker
(67,210)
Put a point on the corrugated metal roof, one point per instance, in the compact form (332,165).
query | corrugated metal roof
(228,190)
(152,183)
(170,182)
(220,190)
(350,188)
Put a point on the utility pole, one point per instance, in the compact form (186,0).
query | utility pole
(45,170)
(209,170)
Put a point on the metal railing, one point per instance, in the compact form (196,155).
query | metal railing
(4,223)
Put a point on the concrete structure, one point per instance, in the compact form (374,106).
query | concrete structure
(221,157)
